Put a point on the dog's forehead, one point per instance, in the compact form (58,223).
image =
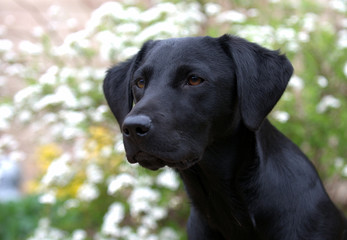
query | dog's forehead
(180,49)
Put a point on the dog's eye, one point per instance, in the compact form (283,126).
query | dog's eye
(140,83)
(194,80)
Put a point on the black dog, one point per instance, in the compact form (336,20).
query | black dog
(199,105)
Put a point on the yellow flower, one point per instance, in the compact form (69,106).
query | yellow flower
(46,154)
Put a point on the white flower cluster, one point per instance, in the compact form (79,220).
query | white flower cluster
(44,231)
(59,172)
(131,27)
(143,203)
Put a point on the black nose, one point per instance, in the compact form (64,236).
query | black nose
(136,126)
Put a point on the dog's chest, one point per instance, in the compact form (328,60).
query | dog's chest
(219,204)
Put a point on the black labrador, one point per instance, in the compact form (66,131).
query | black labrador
(199,105)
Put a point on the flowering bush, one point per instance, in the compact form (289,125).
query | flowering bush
(87,189)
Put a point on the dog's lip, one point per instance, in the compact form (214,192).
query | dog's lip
(182,165)
(154,163)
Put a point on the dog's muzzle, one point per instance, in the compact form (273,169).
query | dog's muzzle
(138,131)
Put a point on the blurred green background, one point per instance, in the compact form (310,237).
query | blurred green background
(63,146)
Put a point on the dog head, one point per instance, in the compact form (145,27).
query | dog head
(177,96)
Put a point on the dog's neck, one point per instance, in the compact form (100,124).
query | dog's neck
(209,182)
(234,154)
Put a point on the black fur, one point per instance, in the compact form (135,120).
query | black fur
(245,179)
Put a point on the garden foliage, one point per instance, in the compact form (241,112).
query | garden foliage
(86,189)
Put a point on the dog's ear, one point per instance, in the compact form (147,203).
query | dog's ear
(117,89)
(262,76)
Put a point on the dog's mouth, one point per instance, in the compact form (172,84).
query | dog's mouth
(154,163)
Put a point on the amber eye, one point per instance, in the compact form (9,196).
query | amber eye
(140,83)
(194,80)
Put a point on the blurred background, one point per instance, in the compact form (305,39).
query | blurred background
(62,169)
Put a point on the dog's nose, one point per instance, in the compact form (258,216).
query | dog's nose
(136,126)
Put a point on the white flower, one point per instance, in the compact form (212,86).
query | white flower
(94,173)
(140,200)
(63,95)
(322,81)
(37,31)
(71,132)
(16,156)
(59,171)
(344,171)
(156,213)
(130,14)
(22,95)
(167,178)
(47,198)
(120,181)
(108,8)
(109,42)
(309,22)
(79,234)
(186,15)
(54,10)
(168,234)
(345,69)
(50,76)
(3,81)
(142,232)
(212,9)
(263,35)
(153,13)
(253,12)
(339,162)
(88,192)
(72,23)
(296,83)
(71,203)
(30,48)
(8,141)
(128,52)
(5,45)
(98,114)
(119,146)
(338,5)
(150,219)
(72,118)
(50,118)
(85,86)
(303,37)
(155,30)
(326,102)
(80,38)
(112,218)
(66,73)
(293,46)
(15,69)
(106,151)
(24,116)
(66,132)
(281,116)
(6,112)
(231,16)
(45,231)
(342,39)
(285,34)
